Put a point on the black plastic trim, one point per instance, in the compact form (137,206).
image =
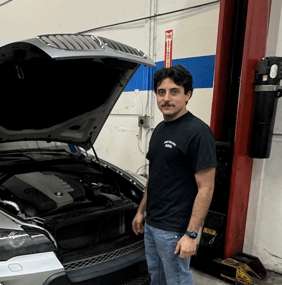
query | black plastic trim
(117,277)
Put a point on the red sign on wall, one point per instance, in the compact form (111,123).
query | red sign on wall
(168,48)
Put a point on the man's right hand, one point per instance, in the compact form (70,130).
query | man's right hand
(137,225)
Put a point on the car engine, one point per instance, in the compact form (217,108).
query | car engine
(80,206)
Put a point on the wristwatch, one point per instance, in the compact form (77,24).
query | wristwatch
(192,235)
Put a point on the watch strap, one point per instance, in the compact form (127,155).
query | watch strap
(192,235)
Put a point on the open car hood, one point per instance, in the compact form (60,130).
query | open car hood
(63,87)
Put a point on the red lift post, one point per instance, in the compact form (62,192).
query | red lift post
(254,49)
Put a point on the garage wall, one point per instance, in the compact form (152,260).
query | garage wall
(194,44)
(263,228)
(141,24)
(24,19)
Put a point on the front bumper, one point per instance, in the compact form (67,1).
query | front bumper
(135,274)
(30,269)
(46,269)
(127,269)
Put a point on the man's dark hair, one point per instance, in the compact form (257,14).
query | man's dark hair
(179,74)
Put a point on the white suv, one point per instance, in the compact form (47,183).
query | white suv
(65,217)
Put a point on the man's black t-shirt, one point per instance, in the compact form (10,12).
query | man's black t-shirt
(178,149)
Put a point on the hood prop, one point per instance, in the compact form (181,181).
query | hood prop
(97,158)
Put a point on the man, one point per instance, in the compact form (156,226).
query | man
(182,161)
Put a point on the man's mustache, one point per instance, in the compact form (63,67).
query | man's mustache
(167,105)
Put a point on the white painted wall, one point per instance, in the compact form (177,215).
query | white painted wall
(264,228)
(25,19)
(194,35)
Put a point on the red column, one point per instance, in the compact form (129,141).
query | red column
(221,66)
(254,50)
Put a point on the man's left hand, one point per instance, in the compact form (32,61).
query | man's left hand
(186,247)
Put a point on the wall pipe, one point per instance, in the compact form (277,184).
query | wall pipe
(149,17)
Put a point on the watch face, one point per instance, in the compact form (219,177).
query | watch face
(192,234)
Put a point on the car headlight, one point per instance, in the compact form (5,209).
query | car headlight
(21,242)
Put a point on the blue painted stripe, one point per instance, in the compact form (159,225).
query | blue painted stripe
(202,69)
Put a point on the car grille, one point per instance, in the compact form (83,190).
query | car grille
(122,47)
(103,257)
(72,42)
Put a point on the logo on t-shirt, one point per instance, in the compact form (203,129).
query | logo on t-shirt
(169,144)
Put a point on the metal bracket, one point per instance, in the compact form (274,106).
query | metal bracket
(244,274)
(266,88)
(144,121)
(243,269)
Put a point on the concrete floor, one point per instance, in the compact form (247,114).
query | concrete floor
(271,278)
(201,278)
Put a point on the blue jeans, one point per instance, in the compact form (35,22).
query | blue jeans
(165,267)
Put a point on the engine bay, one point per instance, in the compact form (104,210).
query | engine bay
(80,206)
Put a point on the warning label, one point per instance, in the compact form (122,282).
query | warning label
(168,48)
